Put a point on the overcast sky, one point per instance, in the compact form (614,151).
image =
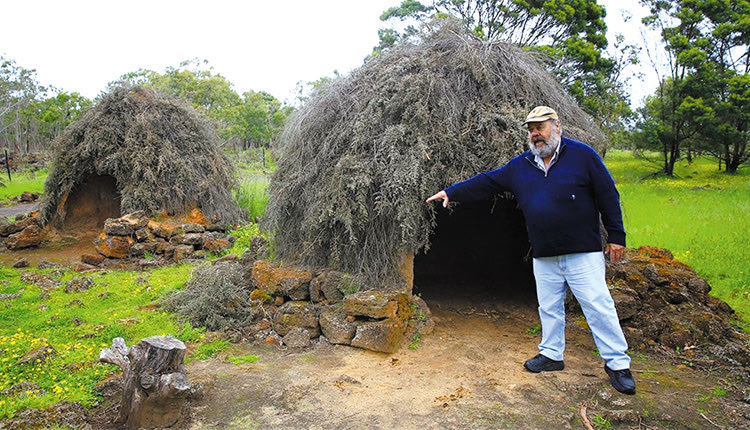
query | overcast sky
(81,45)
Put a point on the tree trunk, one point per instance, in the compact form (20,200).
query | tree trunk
(155,381)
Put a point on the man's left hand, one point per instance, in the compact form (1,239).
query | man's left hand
(615,251)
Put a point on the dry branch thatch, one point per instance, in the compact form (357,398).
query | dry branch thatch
(162,154)
(363,154)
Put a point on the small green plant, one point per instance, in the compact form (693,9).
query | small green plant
(534,329)
(719,392)
(415,339)
(242,359)
(601,423)
(243,238)
(350,285)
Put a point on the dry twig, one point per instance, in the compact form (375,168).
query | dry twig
(584,418)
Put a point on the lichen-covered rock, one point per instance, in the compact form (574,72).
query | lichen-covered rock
(381,336)
(336,327)
(187,239)
(92,259)
(182,253)
(20,225)
(663,301)
(30,236)
(372,304)
(216,245)
(113,246)
(297,338)
(277,280)
(79,284)
(161,229)
(123,226)
(192,228)
(328,286)
(296,314)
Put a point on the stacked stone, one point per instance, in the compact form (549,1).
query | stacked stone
(302,306)
(135,236)
(25,232)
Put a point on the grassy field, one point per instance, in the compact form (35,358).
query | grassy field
(68,330)
(701,215)
(21,182)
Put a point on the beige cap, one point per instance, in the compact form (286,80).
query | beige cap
(540,114)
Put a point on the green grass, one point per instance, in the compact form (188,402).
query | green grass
(209,349)
(27,181)
(77,326)
(254,167)
(251,195)
(243,359)
(701,215)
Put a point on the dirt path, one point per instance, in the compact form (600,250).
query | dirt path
(467,375)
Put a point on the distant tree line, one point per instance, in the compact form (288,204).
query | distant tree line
(33,115)
(248,120)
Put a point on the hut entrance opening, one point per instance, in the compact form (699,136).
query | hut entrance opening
(88,205)
(479,253)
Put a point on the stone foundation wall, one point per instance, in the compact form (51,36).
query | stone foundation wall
(301,306)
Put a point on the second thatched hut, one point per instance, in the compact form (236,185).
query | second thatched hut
(137,150)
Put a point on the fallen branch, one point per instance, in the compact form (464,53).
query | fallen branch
(584,418)
(714,424)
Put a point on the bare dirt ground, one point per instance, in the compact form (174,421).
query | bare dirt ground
(467,375)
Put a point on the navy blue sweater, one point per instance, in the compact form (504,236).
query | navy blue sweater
(562,208)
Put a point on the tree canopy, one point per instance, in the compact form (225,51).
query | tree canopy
(253,119)
(702,101)
(32,115)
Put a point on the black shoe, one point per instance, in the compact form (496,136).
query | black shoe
(622,380)
(541,363)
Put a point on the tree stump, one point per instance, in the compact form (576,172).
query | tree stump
(155,381)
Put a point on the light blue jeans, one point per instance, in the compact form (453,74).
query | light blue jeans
(584,274)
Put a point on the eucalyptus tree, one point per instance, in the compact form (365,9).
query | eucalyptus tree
(702,100)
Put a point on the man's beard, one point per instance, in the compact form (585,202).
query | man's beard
(549,147)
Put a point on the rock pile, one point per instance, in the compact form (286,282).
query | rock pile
(661,301)
(135,236)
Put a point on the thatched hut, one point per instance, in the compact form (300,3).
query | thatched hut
(137,150)
(362,155)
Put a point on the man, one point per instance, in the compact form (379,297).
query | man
(563,189)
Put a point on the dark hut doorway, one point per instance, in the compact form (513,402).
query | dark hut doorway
(88,205)
(479,253)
